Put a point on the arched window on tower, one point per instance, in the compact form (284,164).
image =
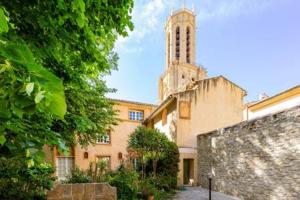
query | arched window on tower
(177,43)
(168,49)
(188,45)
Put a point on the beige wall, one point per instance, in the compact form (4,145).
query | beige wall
(169,128)
(119,137)
(215,103)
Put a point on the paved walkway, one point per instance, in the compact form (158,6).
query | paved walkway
(197,193)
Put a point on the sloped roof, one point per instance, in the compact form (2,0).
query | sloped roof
(161,106)
(172,97)
(132,102)
(276,98)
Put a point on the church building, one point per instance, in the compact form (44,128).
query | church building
(190,102)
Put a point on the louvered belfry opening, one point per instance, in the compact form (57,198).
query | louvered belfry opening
(177,43)
(188,42)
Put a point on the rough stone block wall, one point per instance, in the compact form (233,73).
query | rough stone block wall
(86,191)
(258,159)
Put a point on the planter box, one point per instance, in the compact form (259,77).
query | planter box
(83,191)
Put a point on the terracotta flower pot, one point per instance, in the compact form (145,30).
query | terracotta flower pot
(151,197)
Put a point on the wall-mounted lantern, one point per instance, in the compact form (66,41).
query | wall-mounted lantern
(120,155)
(85,155)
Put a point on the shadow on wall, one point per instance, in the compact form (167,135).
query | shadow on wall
(258,159)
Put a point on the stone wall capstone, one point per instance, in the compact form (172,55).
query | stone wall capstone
(83,191)
(254,160)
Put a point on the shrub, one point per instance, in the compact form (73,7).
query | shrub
(164,182)
(126,182)
(78,176)
(20,182)
(168,167)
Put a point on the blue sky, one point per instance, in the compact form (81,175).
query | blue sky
(254,43)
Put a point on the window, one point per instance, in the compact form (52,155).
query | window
(64,163)
(188,36)
(64,167)
(177,43)
(136,163)
(136,115)
(104,161)
(104,138)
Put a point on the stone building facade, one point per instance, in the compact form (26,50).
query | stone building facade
(257,159)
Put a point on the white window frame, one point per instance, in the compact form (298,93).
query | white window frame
(68,162)
(136,115)
(104,139)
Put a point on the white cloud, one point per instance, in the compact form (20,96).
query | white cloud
(147,18)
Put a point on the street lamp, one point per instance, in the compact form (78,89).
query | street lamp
(210,175)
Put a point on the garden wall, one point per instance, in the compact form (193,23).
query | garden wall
(258,159)
(86,191)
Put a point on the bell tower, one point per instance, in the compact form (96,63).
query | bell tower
(180,37)
(181,70)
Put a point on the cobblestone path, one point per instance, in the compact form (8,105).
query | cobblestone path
(197,193)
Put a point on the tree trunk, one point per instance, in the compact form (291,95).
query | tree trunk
(96,172)
(154,165)
(143,168)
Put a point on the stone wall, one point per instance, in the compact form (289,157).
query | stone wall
(258,159)
(86,191)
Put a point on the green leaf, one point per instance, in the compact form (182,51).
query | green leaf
(58,106)
(16,52)
(39,96)
(39,156)
(3,22)
(4,111)
(29,88)
(18,112)
(80,21)
(2,139)
(30,162)
(20,53)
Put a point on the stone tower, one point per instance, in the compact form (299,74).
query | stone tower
(181,70)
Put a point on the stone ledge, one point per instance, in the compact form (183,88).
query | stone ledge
(83,191)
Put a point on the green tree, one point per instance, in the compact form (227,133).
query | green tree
(150,144)
(53,56)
